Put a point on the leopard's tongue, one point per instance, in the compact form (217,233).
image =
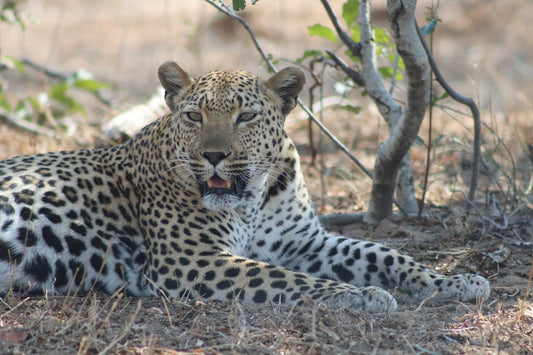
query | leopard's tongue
(218,183)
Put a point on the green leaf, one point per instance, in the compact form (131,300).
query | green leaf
(353,58)
(429,28)
(356,34)
(11,62)
(20,106)
(239,5)
(437,140)
(310,53)
(419,141)
(58,93)
(35,104)
(323,32)
(4,103)
(392,58)
(350,11)
(71,104)
(89,85)
(18,20)
(388,72)
(437,99)
(350,108)
(381,36)
(59,90)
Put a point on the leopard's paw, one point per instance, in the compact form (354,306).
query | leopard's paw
(378,299)
(471,287)
(372,299)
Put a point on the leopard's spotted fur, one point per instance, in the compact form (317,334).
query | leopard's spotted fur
(208,201)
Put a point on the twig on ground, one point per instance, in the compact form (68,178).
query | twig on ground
(12,309)
(452,253)
(493,200)
(408,343)
(88,340)
(425,300)
(167,312)
(126,330)
(423,350)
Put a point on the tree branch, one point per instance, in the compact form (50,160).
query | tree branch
(60,76)
(231,13)
(389,109)
(392,152)
(356,77)
(354,47)
(465,101)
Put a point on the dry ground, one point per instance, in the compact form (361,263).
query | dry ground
(485,51)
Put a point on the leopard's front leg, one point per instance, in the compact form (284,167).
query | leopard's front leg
(363,263)
(226,277)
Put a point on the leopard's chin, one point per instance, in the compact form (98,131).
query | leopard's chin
(216,202)
(218,193)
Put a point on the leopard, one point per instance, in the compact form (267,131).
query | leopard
(207,202)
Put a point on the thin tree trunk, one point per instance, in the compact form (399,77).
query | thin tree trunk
(371,80)
(403,133)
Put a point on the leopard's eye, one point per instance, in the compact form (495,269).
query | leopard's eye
(194,116)
(247,116)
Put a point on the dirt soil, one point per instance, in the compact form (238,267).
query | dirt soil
(123,42)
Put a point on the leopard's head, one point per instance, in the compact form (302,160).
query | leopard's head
(227,129)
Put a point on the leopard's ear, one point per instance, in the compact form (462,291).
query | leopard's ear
(174,80)
(287,84)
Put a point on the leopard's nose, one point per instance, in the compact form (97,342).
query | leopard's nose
(215,157)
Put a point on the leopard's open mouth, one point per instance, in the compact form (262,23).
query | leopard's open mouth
(219,186)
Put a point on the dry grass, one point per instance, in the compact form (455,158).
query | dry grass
(99,324)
